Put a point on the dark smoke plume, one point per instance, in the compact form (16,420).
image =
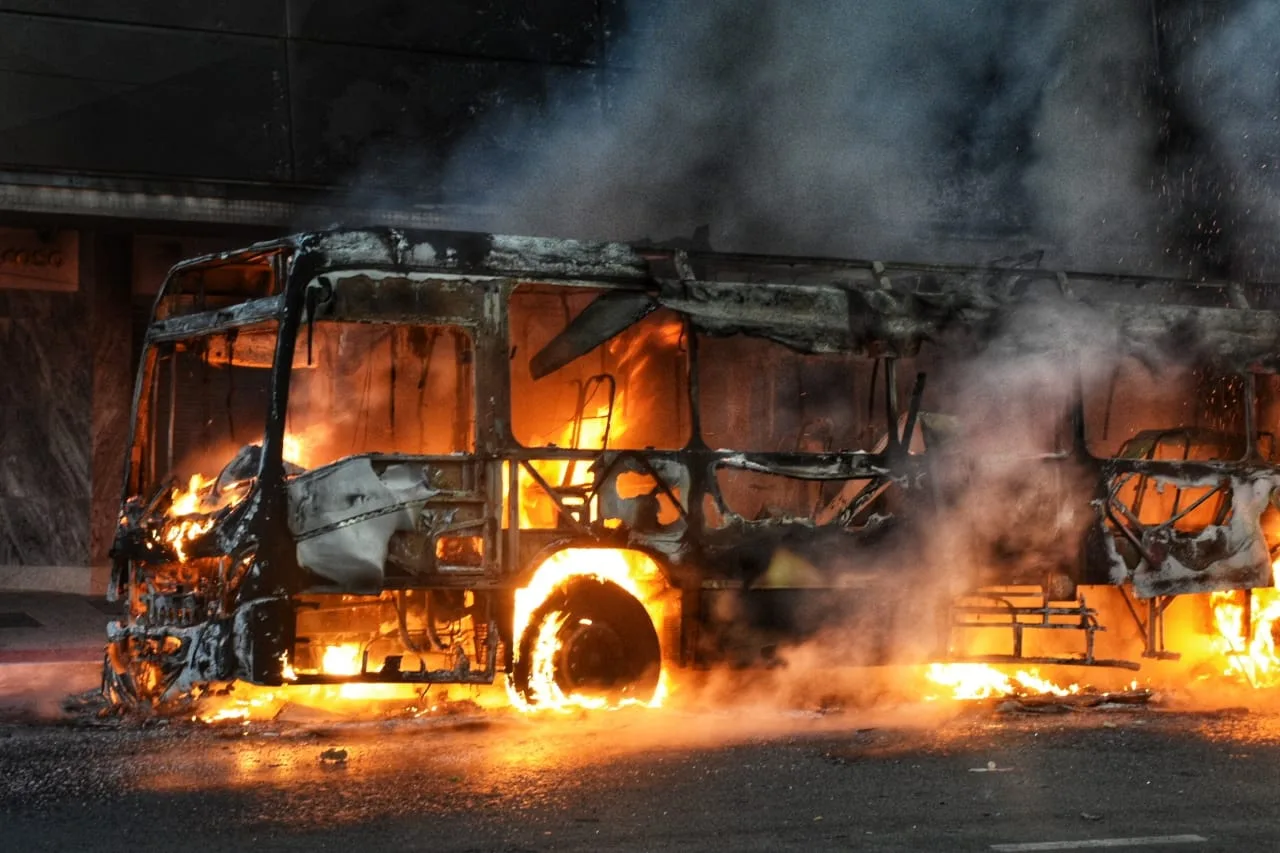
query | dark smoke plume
(1138,135)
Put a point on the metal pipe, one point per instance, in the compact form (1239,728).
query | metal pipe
(891,401)
(173,390)
(1246,618)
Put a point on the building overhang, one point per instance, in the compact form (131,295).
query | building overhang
(237,203)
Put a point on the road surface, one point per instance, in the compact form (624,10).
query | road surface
(926,776)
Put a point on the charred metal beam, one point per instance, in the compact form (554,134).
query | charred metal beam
(552,493)
(853,465)
(1018,660)
(221,320)
(608,315)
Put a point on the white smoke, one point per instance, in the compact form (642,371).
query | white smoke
(1114,136)
(885,129)
(1094,177)
(1230,83)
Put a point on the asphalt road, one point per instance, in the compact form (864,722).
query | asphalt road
(931,776)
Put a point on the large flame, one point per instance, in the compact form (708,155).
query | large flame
(295,450)
(188,515)
(979,681)
(601,424)
(342,659)
(191,509)
(1251,658)
(596,430)
(633,571)
(247,702)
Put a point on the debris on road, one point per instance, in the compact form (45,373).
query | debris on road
(990,768)
(1125,700)
(334,757)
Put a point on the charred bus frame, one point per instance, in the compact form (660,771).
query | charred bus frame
(233,612)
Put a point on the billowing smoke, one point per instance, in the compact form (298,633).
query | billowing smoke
(1007,501)
(924,129)
(810,127)
(1228,83)
(1137,136)
(1093,178)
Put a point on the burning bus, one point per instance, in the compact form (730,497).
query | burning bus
(376,456)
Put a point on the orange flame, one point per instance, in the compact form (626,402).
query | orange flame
(979,681)
(247,702)
(633,571)
(343,659)
(1252,659)
(190,510)
(600,424)
(308,448)
(189,502)
(537,510)
(293,449)
(187,515)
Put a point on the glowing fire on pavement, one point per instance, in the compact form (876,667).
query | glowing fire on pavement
(252,703)
(249,702)
(979,681)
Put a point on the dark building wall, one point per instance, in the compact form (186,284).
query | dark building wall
(45,418)
(282,91)
(68,358)
(107,280)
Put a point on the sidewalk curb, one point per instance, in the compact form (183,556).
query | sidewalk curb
(78,580)
(81,654)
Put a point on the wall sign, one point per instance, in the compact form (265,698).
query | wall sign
(31,259)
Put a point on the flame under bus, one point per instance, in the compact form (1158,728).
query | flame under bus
(437,457)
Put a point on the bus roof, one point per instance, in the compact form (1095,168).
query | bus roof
(810,304)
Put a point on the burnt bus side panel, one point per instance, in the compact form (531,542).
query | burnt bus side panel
(1186,476)
(1172,552)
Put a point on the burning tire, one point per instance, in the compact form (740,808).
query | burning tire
(128,682)
(589,643)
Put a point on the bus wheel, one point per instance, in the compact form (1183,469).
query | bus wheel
(590,643)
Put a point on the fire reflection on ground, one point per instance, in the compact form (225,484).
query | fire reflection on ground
(477,758)
(468,749)
(672,779)
(481,749)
